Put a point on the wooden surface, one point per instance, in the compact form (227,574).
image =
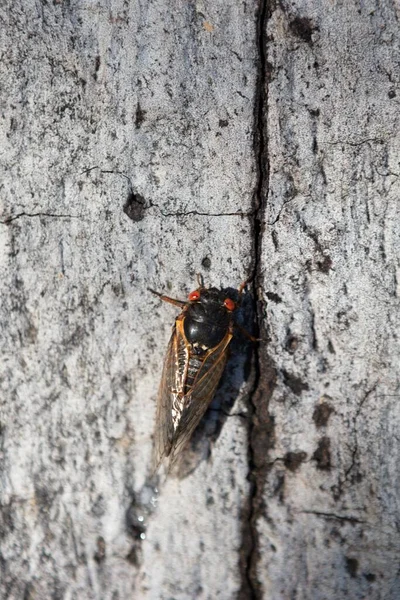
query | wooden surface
(142,143)
(328,525)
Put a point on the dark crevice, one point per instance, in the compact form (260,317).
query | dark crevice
(351,474)
(359,143)
(38,214)
(205,214)
(261,425)
(326,515)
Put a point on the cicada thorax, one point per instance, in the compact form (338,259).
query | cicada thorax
(207,320)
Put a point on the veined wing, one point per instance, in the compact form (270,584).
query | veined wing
(170,392)
(201,394)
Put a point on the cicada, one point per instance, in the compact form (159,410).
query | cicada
(196,357)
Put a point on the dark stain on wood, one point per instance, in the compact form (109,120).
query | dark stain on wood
(322,455)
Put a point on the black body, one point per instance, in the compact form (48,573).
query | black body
(207,320)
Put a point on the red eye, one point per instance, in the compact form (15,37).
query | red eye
(194,296)
(229,304)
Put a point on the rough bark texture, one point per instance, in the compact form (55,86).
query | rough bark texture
(141,143)
(127,161)
(328,525)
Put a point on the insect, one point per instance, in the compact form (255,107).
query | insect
(196,356)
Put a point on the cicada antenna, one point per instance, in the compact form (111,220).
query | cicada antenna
(174,301)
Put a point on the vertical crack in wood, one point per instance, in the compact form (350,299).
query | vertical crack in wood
(260,433)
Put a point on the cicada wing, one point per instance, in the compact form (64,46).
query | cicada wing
(172,381)
(164,425)
(200,396)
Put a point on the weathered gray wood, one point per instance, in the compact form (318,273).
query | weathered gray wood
(162,93)
(328,527)
(128,159)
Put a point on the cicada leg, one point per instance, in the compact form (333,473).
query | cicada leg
(246,333)
(173,301)
(242,329)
